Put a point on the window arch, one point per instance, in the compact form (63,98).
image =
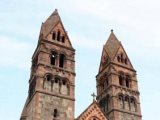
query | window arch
(122,58)
(126,103)
(127,81)
(55,113)
(133,104)
(124,80)
(48,77)
(58,35)
(53,36)
(121,78)
(53,58)
(118,58)
(65,87)
(47,81)
(61,60)
(121,101)
(104,103)
(63,39)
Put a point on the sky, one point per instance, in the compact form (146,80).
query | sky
(136,23)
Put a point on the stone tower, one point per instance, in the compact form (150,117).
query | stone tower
(117,87)
(52,80)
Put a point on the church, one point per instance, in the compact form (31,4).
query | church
(51,94)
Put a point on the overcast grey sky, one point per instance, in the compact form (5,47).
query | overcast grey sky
(136,24)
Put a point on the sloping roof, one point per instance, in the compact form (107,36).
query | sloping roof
(24,112)
(93,110)
(48,25)
(112,45)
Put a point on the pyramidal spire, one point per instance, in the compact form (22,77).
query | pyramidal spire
(112,45)
(51,21)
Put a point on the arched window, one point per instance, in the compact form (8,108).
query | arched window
(133,104)
(61,60)
(127,81)
(126,102)
(64,89)
(57,80)
(47,82)
(55,113)
(104,103)
(118,58)
(63,39)
(48,77)
(120,80)
(126,62)
(58,36)
(105,81)
(122,57)
(53,36)
(56,85)
(53,58)
(121,102)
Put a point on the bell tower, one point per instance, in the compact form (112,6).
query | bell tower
(117,85)
(52,80)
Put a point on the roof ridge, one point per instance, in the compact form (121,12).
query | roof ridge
(112,45)
(51,21)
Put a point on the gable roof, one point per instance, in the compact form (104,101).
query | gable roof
(51,22)
(112,45)
(93,110)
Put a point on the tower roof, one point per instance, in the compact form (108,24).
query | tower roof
(52,20)
(112,45)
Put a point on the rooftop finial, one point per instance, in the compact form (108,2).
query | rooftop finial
(94,96)
(111,30)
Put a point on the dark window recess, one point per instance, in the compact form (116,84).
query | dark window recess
(54,36)
(127,83)
(64,82)
(53,58)
(55,114)
(63,39)
(56,80)
(120,80)
(61,60)
(104,103)
(48,77)
(126,61)
(126,99)
(58,36)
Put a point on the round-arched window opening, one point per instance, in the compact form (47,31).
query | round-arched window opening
(48,77)
(56,80)
(55,113)
(126,62)
(118,58)
(64,82)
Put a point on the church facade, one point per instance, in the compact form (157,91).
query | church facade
(51,94)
